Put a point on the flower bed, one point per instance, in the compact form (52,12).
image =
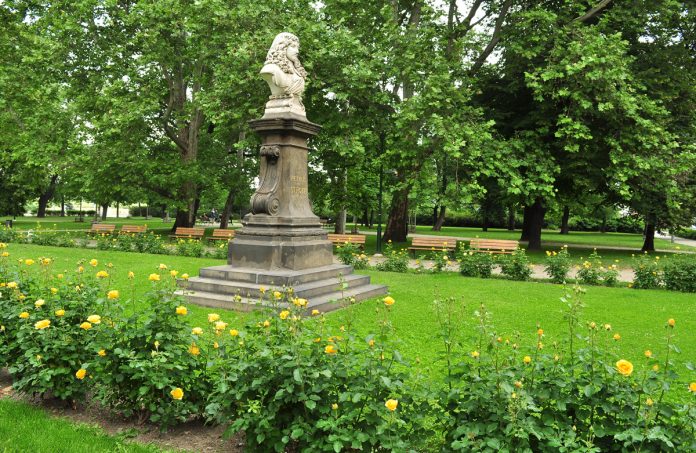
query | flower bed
(291,382)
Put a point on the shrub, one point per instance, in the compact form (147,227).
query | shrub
(352,255)
(647,272)
(679,274)
(292,386)
(394,260)
(441,259)
(558,265)
(503,396)
(516,266)
(149,354)
(189,247)
(219,251)
(9,235)
(150,243)
(475,264)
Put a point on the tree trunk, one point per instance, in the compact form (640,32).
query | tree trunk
(397,223)
(603,226)
(118,208)
(649,242)
(440,219)
(511,218)
(105,208)
(62,206)
(354,228)
(526,221)
(434,216)
(227,210)
(484,226)
(534,220)
(340,226)
(46,197)
(564,220)
(365,218)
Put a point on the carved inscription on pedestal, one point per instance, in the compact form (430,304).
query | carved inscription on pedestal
(298,185)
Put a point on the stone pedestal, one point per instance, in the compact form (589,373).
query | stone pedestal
(282,232)
(282,242)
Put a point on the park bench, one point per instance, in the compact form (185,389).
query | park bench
(102,228)
(188,233)
(432,244)
(133,229)
(493,246)
(221,234)
(339,239)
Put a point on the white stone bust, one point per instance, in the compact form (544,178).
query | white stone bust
(285,75)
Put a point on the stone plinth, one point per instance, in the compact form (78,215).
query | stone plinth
(282,232)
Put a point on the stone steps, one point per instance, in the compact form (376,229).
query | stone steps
(323,287)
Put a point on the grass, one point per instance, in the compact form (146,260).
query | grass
(638,315)
(25,428)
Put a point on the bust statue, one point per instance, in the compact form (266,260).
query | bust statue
(285,76)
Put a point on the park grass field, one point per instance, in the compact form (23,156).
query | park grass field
(25,428)
(517,307)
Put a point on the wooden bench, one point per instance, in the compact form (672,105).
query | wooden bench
(221,234)
(432,244)
(493,246)
(133,229)
(102,228)
(188,233)
(340,239)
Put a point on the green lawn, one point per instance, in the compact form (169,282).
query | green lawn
(638,315)
(517,308)
(25,428)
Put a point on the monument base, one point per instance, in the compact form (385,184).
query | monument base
(326,288)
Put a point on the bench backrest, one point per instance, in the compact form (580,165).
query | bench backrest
(133,228)
(222,233)
(103,227)
(343,238)
(493,244)
(193,232)
(436,243)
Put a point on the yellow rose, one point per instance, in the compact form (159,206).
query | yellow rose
(607,326)
(371,342)
(197,331)
(624,367)
(298,302)
(220,325)
(649,402)
(24,315)
(80,269)
(692,387)
(162,267)
(616,337)
(234,332)
(277,295)
(29,262)
(93,262)
(527,360)
(102,274)
(43,324)
(21,297)
(81,373)
(101,353)
(284,314)
(54,291)
(60,313)
(475,354)
(330,349)
(85,326)
(154,277)
(334,406)
(174,273)
(540,332)
(648,354)
(656,368)
(671,322)
(315,312)
(46,261)
(262,290)
(388,301)
(177,394)
(216,345)
(39,303)
(12,285)
(518,384)
(181,310)
(391,404)
(131,275)
(185,276)
(267,323)
(113,294)
(94,319)
(5,254)
(194,350)
(212,317)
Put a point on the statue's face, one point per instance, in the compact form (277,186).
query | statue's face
(292,50)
